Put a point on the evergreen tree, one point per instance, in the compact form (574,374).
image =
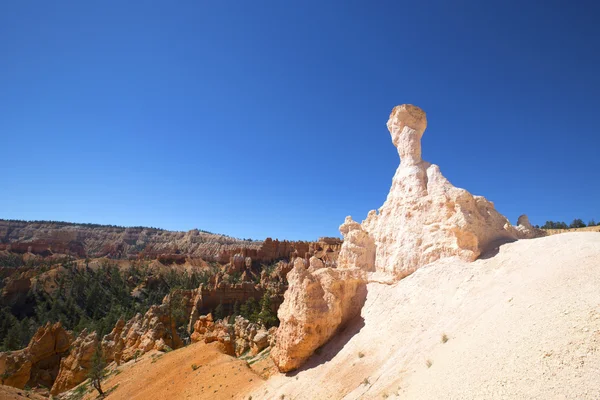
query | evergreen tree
(219,312)
(12,340)
(266,315)
(97,370)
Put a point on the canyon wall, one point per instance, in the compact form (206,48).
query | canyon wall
(81,241)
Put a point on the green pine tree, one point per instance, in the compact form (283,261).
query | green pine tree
(97,370)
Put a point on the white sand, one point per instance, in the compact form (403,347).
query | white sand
(523,324)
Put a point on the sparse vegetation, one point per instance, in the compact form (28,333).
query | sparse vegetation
(79,392)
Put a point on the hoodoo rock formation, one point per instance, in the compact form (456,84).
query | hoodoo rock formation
(424,218)
(39,362)
(75,366)
(318,302)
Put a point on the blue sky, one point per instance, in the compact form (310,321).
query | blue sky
(261,119)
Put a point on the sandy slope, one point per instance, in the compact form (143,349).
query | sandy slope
(524,323)
(171,376)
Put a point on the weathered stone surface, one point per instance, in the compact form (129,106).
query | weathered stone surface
(39,362)
(235,339)
(260,341)
(75,366)
(16,287)
(526,230)
(114,343)
(15,368)
(425,218)
(358,249)
(317,303)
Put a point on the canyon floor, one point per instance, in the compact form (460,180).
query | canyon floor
(522,323)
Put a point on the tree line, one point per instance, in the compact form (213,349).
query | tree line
(577,223)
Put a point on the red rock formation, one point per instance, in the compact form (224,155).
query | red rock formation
(47,238)
(235,339)
(39,362)
(75,366)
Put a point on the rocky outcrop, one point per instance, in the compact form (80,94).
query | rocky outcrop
(15,368)
(424,217)
(16,287)
(86,240)
(75,366)
(155,330)
(38,363)
(235,339)
(526,230)
(113,343)
(319,301)
(358,250)
(169,247)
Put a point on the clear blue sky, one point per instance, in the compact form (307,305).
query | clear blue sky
(258,119)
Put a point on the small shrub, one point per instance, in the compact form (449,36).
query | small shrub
(429,363)
(195,367)
(361,354)
(78,393)
(444,338)
(167,349)
(366,381)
